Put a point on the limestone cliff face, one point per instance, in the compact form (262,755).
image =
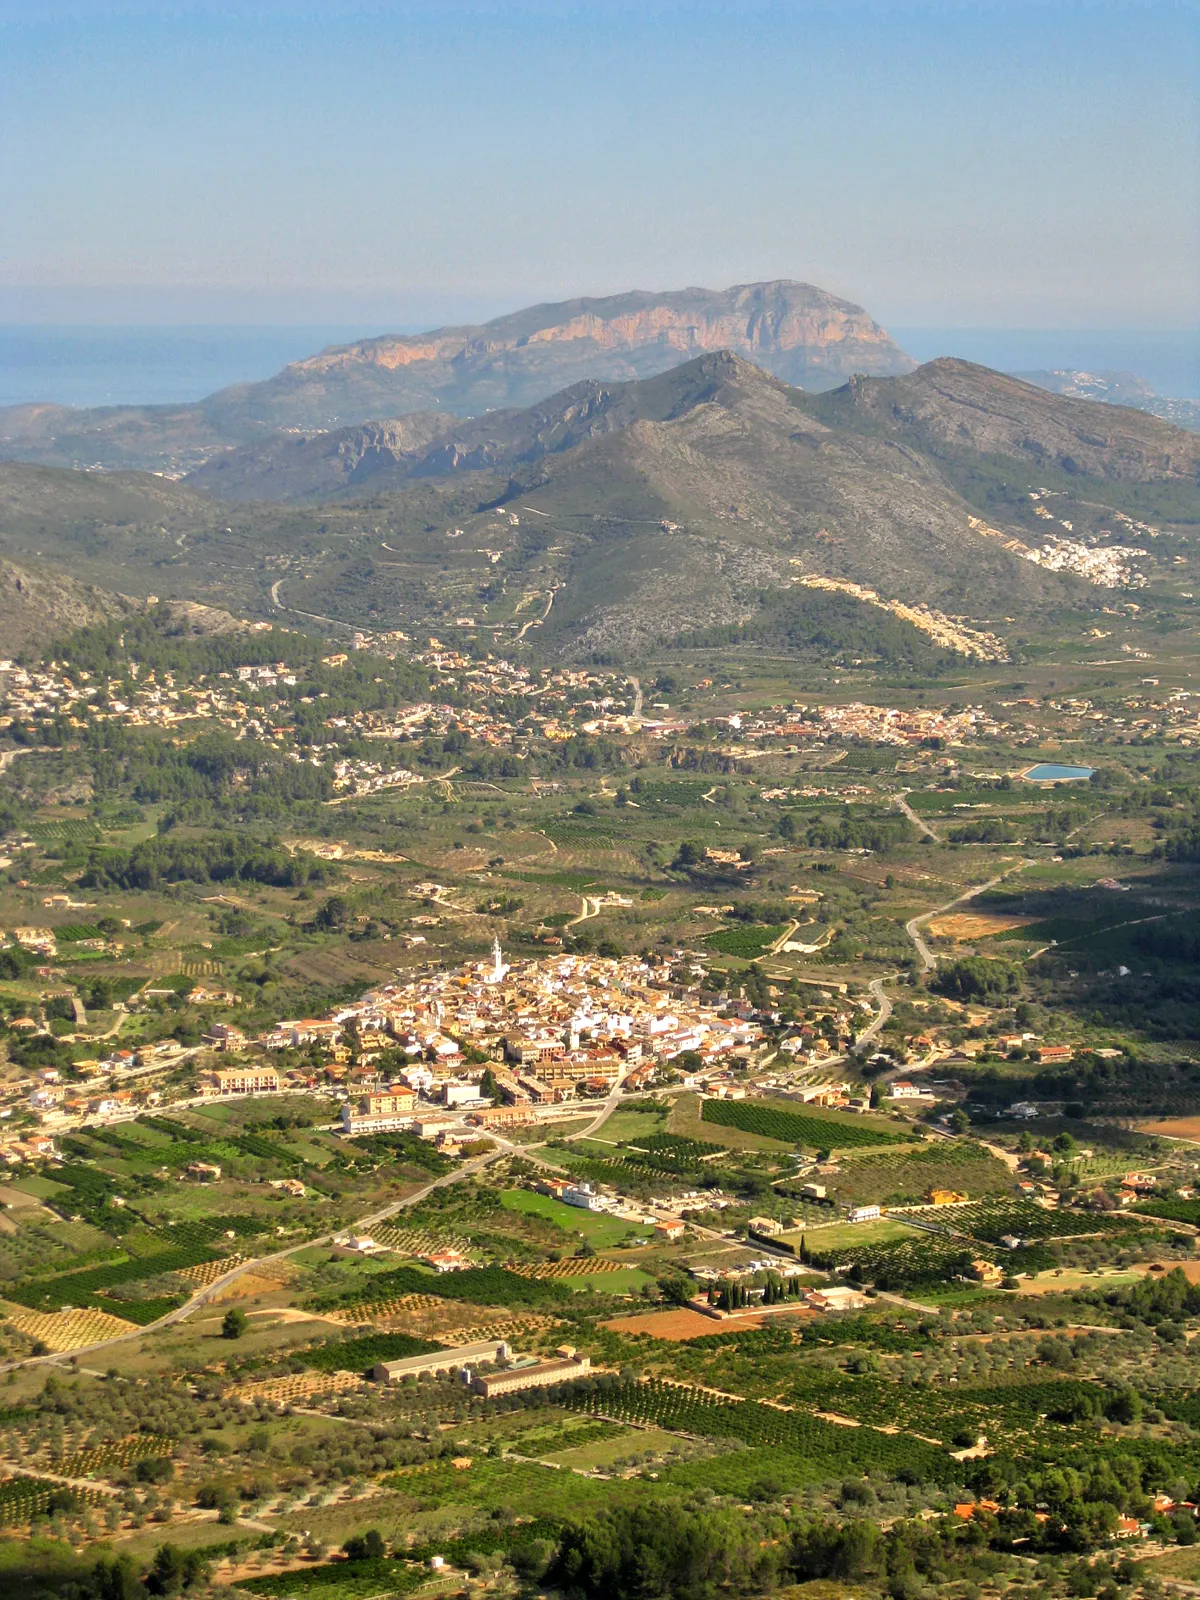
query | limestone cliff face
(793,330)
(789,328)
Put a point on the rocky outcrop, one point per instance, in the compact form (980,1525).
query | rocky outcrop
(791,329)
(948,406)
(301,466)
(794,330)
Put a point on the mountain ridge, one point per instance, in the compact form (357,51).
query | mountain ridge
(511,361)
(941,403)
(623,518)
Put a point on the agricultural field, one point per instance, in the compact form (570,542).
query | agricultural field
(595,1228)
(906,1178)
(811,1130)
(838,1236)
(185,1325)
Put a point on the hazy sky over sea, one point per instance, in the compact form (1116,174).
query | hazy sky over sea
(948,162)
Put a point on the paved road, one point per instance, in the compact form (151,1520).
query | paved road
(204,1296)
(281,605)
(606,1111)
(902,802)
(886,1008)
(913,928)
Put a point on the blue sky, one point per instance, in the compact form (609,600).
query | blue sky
(955,163)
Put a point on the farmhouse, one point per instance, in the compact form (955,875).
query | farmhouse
(537,1375)
(766,1225)
(838,1297)
(203,1171)
(453,1360)
(1054,1052)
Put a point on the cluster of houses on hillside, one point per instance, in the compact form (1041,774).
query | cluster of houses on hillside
(567,1028)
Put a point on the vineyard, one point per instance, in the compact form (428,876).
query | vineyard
(485,1286)
(674,1144)
(397,1575)
(207,1272)
(197,1231)
(340,1580)
(1011,1412)
(896,1263)
(636,1174)
(748,943)
(74,1288)
(814,1449)
(296,1388)
(400,1305)
(791,1127)
(990,1221)
(420,1241)
(23,1498)
(1173,1210)
(116,1456)
(572,1267)
(69,1330)
(895,1177)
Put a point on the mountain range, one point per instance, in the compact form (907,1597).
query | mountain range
(798,332)
(945,406)
(711,502)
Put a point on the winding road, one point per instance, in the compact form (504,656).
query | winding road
(928,959)
(602,1116)
(871,1031)
(913,928)
(536,622)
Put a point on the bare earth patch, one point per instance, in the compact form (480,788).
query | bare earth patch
(1174,1128)
(676,1325)
(974,925)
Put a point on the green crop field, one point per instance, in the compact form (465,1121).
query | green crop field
(748,943)
(810,1129)
(597,1228)
(260,846)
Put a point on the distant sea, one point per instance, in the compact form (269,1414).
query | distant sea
(106,365)
(1169,360)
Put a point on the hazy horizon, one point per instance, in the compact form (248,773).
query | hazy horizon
(155,364)
(942,163)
